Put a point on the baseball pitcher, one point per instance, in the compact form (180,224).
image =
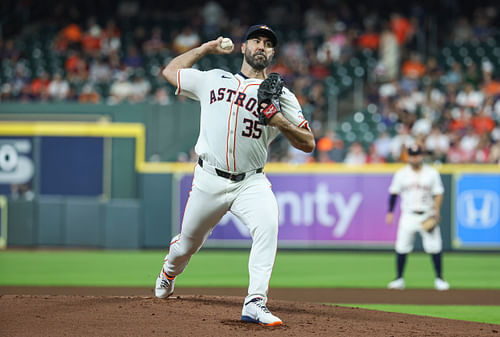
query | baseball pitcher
(421,191)
(240,115)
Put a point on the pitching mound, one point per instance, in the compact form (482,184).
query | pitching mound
(206,315)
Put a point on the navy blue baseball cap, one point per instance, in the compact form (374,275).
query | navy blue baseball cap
(415,150)
(262,30)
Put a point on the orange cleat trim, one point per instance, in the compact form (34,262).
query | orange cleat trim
(278,323)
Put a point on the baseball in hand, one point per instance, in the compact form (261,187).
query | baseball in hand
(226,43)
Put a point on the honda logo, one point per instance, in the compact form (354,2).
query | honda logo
(478,208)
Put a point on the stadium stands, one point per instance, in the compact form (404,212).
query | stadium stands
(329,52)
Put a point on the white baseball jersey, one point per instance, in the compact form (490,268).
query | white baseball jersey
(417,188)
(231,138)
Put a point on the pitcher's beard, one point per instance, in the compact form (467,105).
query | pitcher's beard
(416,166)
(257,63)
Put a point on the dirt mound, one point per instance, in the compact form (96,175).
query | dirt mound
(197,315)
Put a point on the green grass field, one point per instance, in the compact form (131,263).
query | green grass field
(229,269)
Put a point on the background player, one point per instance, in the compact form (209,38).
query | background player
(232,149)
(421,191)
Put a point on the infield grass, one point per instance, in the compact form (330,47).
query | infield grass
(229,269)
(483,314)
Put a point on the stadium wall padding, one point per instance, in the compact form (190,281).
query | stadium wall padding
(76,222)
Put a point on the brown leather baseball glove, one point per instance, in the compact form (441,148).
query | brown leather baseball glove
(268,96)
(429,224)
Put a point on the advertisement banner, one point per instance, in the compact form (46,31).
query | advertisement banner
(322,210)
(17,169)
(477,211)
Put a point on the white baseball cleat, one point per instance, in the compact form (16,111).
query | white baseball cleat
(440,284)
(164,286)
(255,311)
(397,284)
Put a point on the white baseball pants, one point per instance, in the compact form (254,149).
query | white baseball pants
(409,225)
(252,201)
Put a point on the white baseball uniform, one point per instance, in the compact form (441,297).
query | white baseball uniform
(417,190)
(232,148)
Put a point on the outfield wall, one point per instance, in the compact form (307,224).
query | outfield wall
(92,184)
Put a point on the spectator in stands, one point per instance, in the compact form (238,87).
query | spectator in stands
(472,74)
(186,40)
(356,155)
(482,123)
(389,54)
(434,72)
(462,31)
(58,88)
(281,66)
(9,51)
(80,73)
(494,157)
(317,95)
(330,148)
(20,79)
(454,75)
(401,141)
(72,60)
(382,145)
(69,37)
(155,44)
(413,68)
(369,39)
(117,68)
(110,38)
(100,70)
(491,87)
(468,144)
(470,98)
(120,90)
(437,144)
(140,37)
(88,95)
(461,119)
(373,156)
(293,50)
(132,59)
(455,153)
(331,49)
(161,96)
(402,28)
(140,89)
(91,39)
(40,87)
(6,92)
(483,149)
(423,126)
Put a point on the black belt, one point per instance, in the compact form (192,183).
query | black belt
(230,176)
(418,212)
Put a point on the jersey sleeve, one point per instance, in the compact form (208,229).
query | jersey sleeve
(189,83)
(437,186)
(291,109)
(395,187)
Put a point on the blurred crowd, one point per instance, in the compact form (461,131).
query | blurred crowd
(453,110)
